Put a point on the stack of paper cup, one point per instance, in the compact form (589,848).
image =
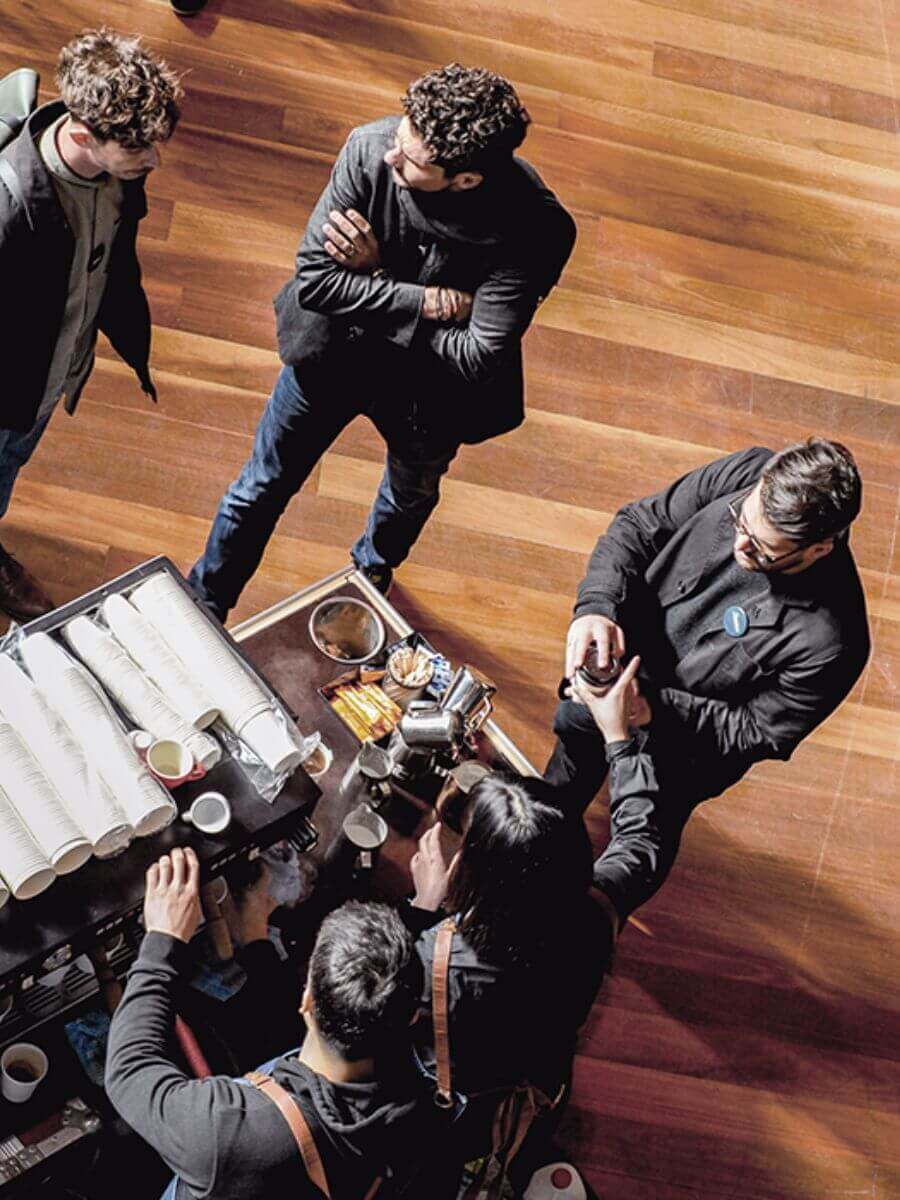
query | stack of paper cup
(79,699)
(82,789)
(204,651)
(134,692)
(272,742)
(38,804)
(159,662)
(24,868)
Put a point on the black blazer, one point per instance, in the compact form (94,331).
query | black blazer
(36,251)
(506,242)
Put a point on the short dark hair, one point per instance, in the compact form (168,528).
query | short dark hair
(118,90)
(469,118)
(523,868)
(811,491)
(364,979)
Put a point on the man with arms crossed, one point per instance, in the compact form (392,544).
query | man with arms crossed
(420,270)
(366,1107)
(71,197)
(737,587)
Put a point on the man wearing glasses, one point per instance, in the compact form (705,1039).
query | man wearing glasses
(737,587)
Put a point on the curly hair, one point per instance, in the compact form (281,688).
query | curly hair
(118,90)
(469,118)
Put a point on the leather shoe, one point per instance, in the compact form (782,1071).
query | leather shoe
(188,8)
(21,596)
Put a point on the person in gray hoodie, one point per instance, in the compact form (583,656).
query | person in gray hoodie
(367,1110)
(421,268)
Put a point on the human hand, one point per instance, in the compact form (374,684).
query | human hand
(447,304)
(430,871)
(639,711)
(350,241)
(254,908)
(606,633)
(611,711)
(172,897)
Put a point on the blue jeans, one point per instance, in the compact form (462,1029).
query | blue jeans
(15,450)
(296,428)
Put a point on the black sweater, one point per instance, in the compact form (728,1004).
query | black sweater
(225,1139)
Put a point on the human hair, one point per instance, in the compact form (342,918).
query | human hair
(364,982)
(118,90)
(523,867)
(469,118)
(811,491)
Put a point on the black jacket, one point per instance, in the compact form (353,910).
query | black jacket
(36,251)
(726,702)
(227,1141)
(506,242)
(510,1024)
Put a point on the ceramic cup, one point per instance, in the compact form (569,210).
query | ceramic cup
(365,828)
(210,813)
(172,762)
(22,1067)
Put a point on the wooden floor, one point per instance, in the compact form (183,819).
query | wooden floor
(734,168)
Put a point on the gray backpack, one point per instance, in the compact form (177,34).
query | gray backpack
(18,98)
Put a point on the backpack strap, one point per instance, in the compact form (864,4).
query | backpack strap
(440,1012)
(299,1127)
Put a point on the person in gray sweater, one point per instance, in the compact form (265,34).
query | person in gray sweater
(366,1108)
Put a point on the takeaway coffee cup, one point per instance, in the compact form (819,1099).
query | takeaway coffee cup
(210,813)
(22,1067)
(172,762)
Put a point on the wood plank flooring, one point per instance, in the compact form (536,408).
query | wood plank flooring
(734,168)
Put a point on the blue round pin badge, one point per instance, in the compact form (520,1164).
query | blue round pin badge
(735,622)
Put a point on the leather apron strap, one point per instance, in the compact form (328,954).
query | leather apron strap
(440,1012)
(299,1127)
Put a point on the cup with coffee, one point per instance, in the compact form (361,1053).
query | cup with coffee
(172,762)
(22,1067)
(210,813)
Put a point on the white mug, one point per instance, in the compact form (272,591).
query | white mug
(172,762)
(22,1067)
(210,813)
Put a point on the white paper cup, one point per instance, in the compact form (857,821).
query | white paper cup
(71,856)
(210,813)
(271,742)
(32,882)
(172,762)
(22,1067)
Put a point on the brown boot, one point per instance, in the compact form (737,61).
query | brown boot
(21,596)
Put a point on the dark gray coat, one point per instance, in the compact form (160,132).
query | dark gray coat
(36,251)
(506,242)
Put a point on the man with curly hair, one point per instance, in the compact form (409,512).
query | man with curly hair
(71,198)
(420,271)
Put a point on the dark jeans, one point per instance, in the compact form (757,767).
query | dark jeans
(650,803)
(15,450)
(297,427)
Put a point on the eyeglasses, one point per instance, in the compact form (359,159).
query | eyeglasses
(756,550)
